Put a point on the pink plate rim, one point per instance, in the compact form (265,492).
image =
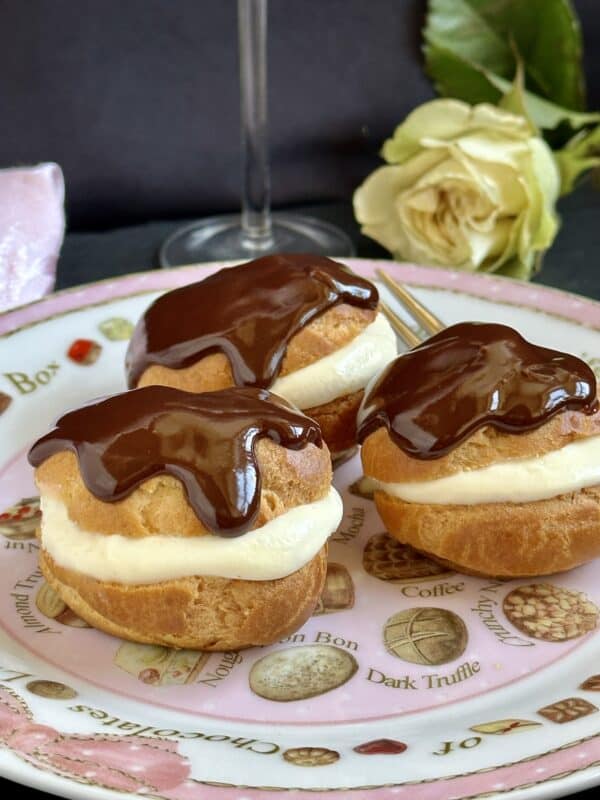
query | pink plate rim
(577,308)
(562,767)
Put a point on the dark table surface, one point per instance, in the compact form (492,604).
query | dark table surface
(571,264)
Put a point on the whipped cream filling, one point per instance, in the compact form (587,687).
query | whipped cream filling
(276,549)
(573,467)
(342,372)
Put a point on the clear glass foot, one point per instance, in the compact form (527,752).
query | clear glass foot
(222,238)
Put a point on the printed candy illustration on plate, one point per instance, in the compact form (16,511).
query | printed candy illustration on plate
(549,612)
(298,673)
(311,756)
(389,560)
(84,352)
(504,726)
(116,329)
(338,592)
(361,488)
(5,401)
(20,521)
(387,747)
(425,635)
(53,607)
(591,684)
(567,710)
(51,690)
(160,666)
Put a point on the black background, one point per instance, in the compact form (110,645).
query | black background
(137,100)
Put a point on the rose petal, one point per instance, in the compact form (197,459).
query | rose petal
(486,246)
(469,187)
(445,119)
(373,198)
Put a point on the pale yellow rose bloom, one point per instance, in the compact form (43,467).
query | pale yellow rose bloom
(467,186)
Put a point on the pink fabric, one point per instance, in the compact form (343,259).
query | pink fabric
(32,223)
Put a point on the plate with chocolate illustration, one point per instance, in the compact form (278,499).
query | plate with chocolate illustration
(422,632)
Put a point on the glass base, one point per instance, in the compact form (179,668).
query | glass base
(221,238)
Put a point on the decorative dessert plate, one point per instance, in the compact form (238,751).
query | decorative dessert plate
(409,681)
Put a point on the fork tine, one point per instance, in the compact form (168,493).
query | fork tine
(427,320)
(408,336)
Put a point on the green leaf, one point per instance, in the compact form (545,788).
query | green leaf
(579,155)
(545,32)
(476,84)
(453,76)
(514,99)
(544,113)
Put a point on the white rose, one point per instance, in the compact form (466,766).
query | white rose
(468,187)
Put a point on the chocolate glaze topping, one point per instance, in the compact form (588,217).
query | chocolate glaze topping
(205,440)
(470,375)
(249,312)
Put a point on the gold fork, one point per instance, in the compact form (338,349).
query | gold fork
(428,321)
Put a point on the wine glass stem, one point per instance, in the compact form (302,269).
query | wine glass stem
(256,191)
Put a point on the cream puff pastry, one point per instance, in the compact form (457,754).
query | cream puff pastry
(484,451)
(188,520)
(302,326)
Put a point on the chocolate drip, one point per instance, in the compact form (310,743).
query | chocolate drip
(249,312)
(470,375)
(207,441)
